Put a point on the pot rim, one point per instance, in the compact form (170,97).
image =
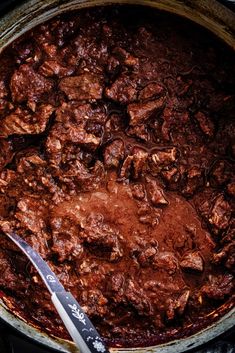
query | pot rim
(207,13)
(225,323)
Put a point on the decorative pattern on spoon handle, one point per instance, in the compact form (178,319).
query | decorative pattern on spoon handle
(77,321)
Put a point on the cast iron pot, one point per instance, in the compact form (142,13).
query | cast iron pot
(209,14)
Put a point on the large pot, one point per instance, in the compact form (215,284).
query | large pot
(209,14)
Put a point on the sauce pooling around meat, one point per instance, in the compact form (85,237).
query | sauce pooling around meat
(117,143)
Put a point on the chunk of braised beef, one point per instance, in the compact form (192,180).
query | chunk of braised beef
(139,131)
(6,153)
(226,256)
(163,158)
(166,261)
(94,303)
(70,128)
(139,162)
(146,214)
(112,65)
(192,261)
(65,236)
(116,122)
(177,306)
(51,68)
(146,256)
(218,287)
(4,104)
(116,286)
(22,122)
(172,177)
(26,52)
(128,292)
(3,89)
(140,112)
(194,179)
(28,85)
(29,160)
(151,90)
(80,113)
(229,234)
(135,296)
(220,214)
(95,128)
(6,205)
(205,124)
(114,153)
(31,216)
(126,168)
(4,107)
(50,49)
(125,57)
(173,120)
(9,275)
(166,156)
(116,283)
(33,174)
(123,90)
(138,191)
(204,206)
(83,87)
(7,176)
(30,212)
(221,173)
(100,235)
(135,164)
(155,193)
(77,177)
(231,188)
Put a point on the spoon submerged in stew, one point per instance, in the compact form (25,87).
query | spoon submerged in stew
(74,318)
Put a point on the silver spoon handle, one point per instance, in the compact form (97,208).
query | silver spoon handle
(74,318)
(77,323)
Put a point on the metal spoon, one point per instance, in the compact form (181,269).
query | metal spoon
(75,320)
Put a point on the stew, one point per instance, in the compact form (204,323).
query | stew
(117,142)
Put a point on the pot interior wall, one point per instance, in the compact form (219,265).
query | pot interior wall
(210,14)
